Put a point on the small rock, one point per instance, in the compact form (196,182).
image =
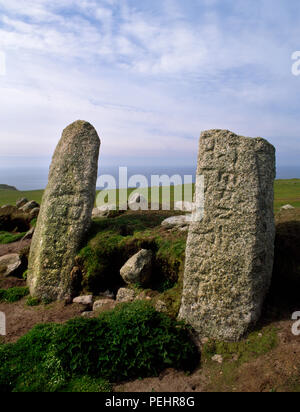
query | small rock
(88,314)
(107,294)
(217,358)
(177,221)
(125,295)
(29,206)
(137,202)
(104,304)
(21,202)
(160,306)
(287,207)
(84,300)
(138,268)
(10,264)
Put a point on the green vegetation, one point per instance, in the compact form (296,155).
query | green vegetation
(88,384)
(256,344)
(223,376)
(31,301)
(287,192)
(131,341)
(7,187)
(6,237)
(113,241)
(9,197)
(13,294)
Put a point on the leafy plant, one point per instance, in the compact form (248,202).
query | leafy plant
(131,341)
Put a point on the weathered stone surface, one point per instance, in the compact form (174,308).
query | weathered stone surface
(104,304)
(65,213)
(21,202)
(84,300)
(12,219)
(125,295)
(229,255)
(10,265)
(138,268)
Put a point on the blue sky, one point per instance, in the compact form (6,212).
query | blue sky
(149,75)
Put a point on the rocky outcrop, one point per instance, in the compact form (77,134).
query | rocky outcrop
(125,295)
(14,220)
(65,214)
(229,254)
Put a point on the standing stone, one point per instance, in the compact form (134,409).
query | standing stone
(65,213)
(229,256)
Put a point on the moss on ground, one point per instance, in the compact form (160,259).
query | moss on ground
(224,376)
(6,237)
(13,294)
(256,344)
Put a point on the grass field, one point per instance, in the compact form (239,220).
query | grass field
(286,192)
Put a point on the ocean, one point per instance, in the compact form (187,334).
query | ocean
(34,178)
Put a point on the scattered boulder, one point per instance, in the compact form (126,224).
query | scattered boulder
(229,254)
(137,202)
(84,300)
(218,359)
(125,295)
(287,207)
(21,202)
(10,265)
(14,220)
(66,211)
(177,221)
(104,304)
(137,270)
(29,206)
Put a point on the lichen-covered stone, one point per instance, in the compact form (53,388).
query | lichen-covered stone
(65,213)
(229,255)
(137,270)
(10,265)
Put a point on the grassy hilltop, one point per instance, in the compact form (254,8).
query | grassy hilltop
(286,192)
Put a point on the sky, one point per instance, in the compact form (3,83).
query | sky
(150,75)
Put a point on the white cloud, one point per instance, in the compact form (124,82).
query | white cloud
(149,78)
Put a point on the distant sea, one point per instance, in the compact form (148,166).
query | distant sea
(34,178)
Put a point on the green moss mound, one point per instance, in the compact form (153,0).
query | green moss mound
(6,237)
(256,344)
(131,341)
(13,294)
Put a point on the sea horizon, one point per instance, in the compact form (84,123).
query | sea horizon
(36,178)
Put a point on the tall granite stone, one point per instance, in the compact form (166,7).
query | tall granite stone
(65,213)
(229,255)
